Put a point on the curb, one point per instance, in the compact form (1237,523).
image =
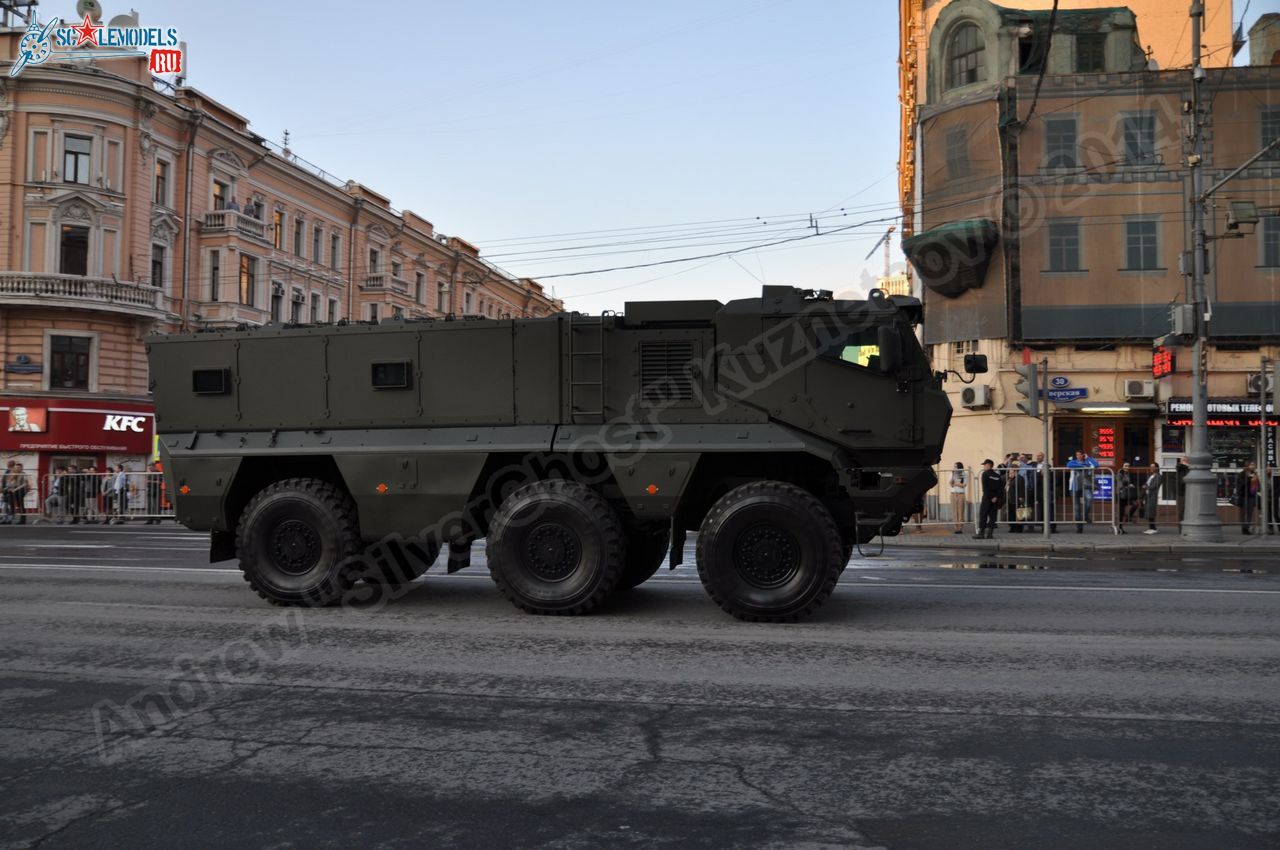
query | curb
(1083,548)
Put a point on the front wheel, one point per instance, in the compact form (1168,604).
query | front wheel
(769,551)
(555,547)
(295,540)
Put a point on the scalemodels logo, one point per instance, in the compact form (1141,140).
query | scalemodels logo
(57,41)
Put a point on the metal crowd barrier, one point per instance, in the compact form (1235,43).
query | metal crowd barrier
(103,497)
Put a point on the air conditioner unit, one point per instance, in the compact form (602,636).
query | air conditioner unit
(976,397)
(1135,390)
(1253,383)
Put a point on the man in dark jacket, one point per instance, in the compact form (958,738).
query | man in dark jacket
(992,483)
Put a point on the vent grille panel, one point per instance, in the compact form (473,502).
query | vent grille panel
(666,370)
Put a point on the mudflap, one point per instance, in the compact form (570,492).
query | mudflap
(676,556)
(222,546)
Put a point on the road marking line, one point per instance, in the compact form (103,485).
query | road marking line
(113,568)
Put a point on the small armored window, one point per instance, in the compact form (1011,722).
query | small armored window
(211,381)
(391,376)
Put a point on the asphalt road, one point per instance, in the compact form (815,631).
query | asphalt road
(150,699)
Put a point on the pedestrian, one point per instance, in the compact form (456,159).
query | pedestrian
(1248,492)
(959,490)
(1126,490)
(1081,486)
(16,491)
(107,490)
(6,512)
(992,485)
(1016,497)
(73,493)
(55,500)
(120,493)
(1182,469)
(234,206)
(153,494)
(1151,497)
(1043,507)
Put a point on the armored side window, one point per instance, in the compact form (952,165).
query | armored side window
(393,375)
(855,345)
(211,381)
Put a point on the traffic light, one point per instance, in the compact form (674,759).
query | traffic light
(1029,385)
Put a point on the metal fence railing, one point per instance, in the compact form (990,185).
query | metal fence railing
(1116,499)
(103,497)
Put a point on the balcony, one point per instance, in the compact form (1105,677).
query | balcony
(95,293)
(230,221)
(383,282)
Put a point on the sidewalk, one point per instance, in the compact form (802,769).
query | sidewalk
(1095,538)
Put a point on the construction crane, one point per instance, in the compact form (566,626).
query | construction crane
(884,240)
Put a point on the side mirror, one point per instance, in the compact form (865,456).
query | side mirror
(975,364)
(889,341)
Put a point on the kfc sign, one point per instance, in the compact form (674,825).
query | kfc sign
(125,423)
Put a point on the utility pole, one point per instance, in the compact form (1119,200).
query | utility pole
(1264,456)
(1201,522)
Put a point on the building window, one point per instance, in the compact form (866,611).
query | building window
(277,302)
(1270,120)
(420,287)
(162,183)
(297,237)
(439,298)
(1091,53)
(395,269)
(965,346)
(157,266)
(73,254)
(397,312)
(957,152)
(1271,241)
(373,312)
(69,362)
(1142,243)
(248,279)
(220,192)
(315,308)
(1060,143)
(215,272)
(375,260)
(1064,246)
(333,311)
(1139,139)
(317,240)
(75,159)
(968,58)
(277,226)
(295,307)
(335,250)
(466,303)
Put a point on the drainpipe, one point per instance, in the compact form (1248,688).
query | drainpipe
(194,124)
(356,204)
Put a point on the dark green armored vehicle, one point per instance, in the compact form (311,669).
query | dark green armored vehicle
(782,429)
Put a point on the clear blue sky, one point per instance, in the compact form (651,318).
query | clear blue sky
(501,121)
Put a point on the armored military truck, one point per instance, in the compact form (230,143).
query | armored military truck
(783,429)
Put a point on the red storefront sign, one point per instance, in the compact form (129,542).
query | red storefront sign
(84,426)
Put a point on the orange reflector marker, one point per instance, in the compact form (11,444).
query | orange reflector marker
(651,489)
(382,488)
(184,489)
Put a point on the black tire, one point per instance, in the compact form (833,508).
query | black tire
(295,540)
(395,575)
(769,551)
(555,547)
(647,546)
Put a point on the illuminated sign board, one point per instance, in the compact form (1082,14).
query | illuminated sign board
(1163,362)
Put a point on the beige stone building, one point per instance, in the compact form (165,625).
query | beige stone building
(127,207)
(1053,225)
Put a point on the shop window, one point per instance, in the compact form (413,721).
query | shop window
(967,63)
(75,159)
(69,362)
(74,250)
(1060,143)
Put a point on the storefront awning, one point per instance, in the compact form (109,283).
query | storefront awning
(953,258)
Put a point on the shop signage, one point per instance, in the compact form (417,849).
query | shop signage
(87,427)
(1228,406)
(116,422)
(1163,362)
(1073,394)
(1059,382)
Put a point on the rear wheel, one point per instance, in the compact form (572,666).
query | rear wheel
(555,547)
(647,545)
(769,551)
(295,539)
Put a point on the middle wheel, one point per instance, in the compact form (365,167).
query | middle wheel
(555,547)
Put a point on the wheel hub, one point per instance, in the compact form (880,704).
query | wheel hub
(552,551)
(766,555)
(296,546)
